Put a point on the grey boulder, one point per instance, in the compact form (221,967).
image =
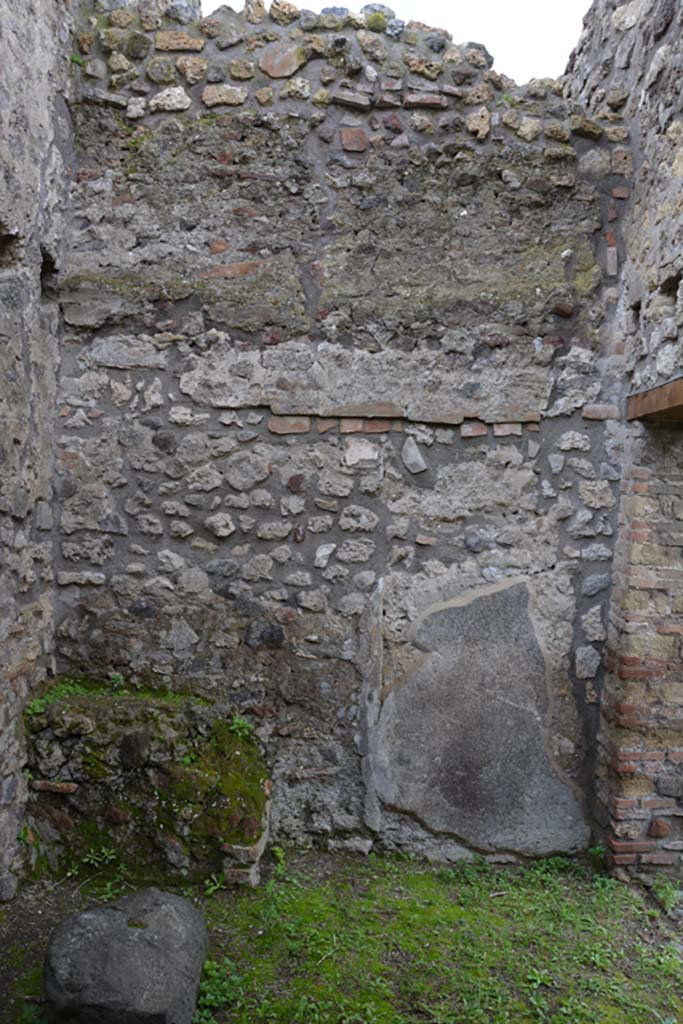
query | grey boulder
(136,961)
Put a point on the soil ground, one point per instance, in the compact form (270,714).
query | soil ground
(340,940)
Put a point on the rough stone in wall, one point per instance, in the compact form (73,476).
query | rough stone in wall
(337,390)
(34,133)
(629,60)
(639,75)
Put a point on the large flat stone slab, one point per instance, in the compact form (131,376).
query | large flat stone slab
(462,742)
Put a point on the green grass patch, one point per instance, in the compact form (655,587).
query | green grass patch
(388,942)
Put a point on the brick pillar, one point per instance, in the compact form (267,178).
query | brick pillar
(640,764)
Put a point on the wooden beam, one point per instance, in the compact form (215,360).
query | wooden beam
(658,405)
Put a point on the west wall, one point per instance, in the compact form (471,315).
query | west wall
(339,412)
(34,134)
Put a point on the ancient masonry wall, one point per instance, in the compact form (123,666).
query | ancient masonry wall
(629,59)
(339,426)
(34,136)
(346,323)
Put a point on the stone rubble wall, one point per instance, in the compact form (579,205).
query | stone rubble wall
(629,59)
(344,322)
(34,139)
(339,424)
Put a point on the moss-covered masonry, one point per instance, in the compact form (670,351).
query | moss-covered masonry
(155,783)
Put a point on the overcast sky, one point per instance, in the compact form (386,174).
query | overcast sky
(528,38)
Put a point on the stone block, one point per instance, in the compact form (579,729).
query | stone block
(170,41)
(139,959)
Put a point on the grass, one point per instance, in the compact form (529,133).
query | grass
(329,940)
(387,942)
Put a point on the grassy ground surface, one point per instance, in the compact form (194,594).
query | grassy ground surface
(387,941)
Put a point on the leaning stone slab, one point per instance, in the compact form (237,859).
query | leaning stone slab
(136,961)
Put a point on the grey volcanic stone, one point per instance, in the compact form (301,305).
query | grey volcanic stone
(412,457)
(462,744)
(183,10)
(378,9)
(137,961)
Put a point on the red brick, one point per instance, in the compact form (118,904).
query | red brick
(600,412)
(473,428)
(638,673)
(324,425)
(232,270)
(350,425)
(289,424)
(377,426)
(621,192)
(659,858)
(45,786)
(659,828)
(623,858)
(507,429)
(623,769)
(631,845)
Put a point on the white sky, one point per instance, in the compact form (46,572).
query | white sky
(528,38)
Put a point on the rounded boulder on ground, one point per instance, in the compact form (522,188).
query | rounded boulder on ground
(133,962)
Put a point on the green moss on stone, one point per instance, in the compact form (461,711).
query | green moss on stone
(166,783)
(588,273)
(222,792)
(376,21)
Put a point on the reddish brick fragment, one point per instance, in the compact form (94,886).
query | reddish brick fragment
(323,426)
(232,270)
(631,845)
(350,425)
(659,828)
(354,140)
(661,858)
(45,786)
(289,424)
(623,858)
(507,429)
(473,428)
